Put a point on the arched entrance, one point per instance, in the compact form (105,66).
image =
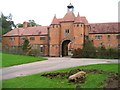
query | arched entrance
(65,48)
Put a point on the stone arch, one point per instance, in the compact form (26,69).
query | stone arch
(64,47)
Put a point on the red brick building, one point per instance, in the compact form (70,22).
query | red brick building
(64,35)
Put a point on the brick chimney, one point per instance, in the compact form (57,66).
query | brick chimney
(25,24)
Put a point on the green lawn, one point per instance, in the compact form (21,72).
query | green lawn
(38,81)
(10,59)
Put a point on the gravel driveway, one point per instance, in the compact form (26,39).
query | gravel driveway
(48,65)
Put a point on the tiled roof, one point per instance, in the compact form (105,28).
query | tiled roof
(104,28)
(84,20)
(78,19)
(69,16)
(55,20)
(37,30)
(60,19)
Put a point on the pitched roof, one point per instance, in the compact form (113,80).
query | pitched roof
(60,19)
(81,19)
(78,19)
(55,20)
(84,20)
(69,16)
(104,28)
(37,30)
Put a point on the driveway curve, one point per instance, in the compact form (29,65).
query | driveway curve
(48,65)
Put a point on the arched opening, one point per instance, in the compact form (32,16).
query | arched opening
(65,47)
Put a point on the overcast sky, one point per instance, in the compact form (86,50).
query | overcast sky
(43,11)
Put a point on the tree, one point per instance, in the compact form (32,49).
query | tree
(6,23)
(19,25)
(31,23)
(26,46)
(88,49)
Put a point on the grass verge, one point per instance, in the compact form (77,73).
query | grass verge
(38,81)
(11,60)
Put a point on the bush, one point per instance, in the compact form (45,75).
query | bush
(89,51)
(77,53)
(34,52)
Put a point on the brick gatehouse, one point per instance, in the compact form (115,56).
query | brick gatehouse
(63,35)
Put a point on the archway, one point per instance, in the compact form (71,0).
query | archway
(65,48)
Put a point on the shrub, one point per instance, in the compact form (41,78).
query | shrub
(89,51)
(77,53)
(34,52)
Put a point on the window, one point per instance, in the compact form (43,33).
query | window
(56,26)
(12,38)
(32,38)
(41,48)
(77,25)
(101,44)
(13,47)
(22,38)
(108,37)
(118,36)
(81,25)
(66,31)
(53,26)
(98,37)
(34,46)
(42,38)
(86,37)
(118,46)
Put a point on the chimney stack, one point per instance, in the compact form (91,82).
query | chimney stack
(25,24)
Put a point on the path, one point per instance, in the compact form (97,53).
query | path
(48,65)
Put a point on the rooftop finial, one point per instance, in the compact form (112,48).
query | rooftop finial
(70,7)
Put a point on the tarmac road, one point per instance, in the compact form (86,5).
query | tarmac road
(48,65)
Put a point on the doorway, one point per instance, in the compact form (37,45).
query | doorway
(65,48)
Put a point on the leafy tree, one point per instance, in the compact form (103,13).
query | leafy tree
(88,49)
(31,23)
(26,44)
(6,23)
(19,25)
